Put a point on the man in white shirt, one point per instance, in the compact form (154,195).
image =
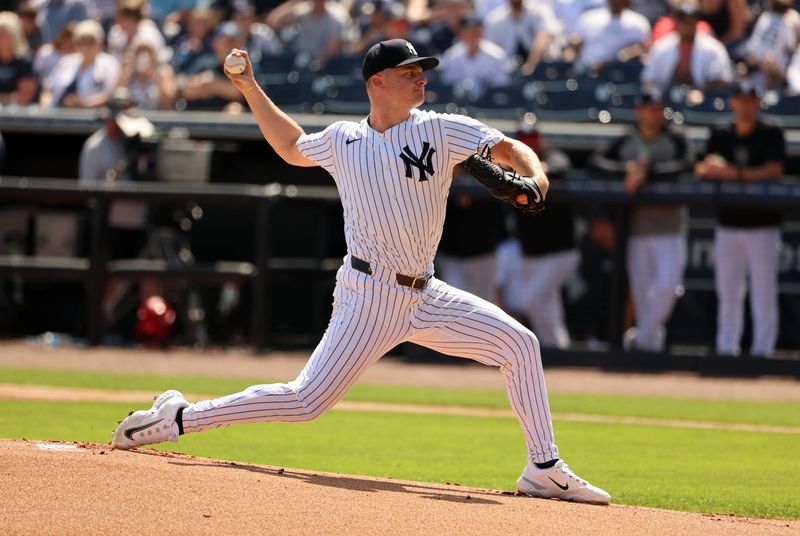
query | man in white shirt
(259,38)
(315,28)
(687,57)
(132,26)
(569,11)
(525,30)
(474,63)
(771,44)
(793,73)
(86,78)
(613,33)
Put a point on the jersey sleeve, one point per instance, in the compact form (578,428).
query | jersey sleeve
(318,147)
(465,136)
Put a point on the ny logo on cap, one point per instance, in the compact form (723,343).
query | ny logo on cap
(411,49)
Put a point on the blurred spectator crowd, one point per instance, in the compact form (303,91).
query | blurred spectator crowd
(647,62)
(549,55)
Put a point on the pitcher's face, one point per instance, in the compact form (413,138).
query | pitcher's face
(405,84)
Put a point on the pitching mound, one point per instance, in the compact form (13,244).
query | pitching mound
(69,488)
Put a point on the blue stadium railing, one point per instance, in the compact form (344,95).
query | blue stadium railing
(556,91)
(95,270)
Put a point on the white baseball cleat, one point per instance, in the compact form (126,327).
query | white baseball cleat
(154,425)
(559,482)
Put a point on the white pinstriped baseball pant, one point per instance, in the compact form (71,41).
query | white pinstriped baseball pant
(371,315)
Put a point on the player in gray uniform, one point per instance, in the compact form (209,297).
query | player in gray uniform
(393,171)
(652,152)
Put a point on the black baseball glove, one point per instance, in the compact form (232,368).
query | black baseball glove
(504,185)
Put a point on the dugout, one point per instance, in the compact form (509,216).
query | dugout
(305,238)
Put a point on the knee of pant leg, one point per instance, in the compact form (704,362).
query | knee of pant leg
(534,342)
(523,350)
(314,412)
(314,402)
(525,341)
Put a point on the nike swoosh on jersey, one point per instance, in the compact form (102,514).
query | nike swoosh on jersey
(348,142)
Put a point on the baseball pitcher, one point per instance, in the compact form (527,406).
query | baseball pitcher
(393,171)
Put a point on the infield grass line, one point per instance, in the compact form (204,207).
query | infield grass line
(782,414)
(80,394)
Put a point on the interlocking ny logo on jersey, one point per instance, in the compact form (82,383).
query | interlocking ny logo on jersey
(423,162)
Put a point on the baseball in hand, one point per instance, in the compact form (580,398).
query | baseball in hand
(235,64)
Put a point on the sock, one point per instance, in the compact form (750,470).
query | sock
(179,420)
(545,465)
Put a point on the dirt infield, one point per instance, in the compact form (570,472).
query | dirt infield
(62,488)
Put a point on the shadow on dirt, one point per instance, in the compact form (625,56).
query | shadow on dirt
(432,492)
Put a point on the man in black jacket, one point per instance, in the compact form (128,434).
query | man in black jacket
(747,240)
(549,253)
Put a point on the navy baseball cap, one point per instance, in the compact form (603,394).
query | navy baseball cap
(649,95)
(470,21)
(745,87)
(393,53)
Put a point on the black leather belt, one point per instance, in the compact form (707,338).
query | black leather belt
(414,283)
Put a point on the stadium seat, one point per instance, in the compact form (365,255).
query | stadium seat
(628,72)
(343,65)
(553,70)
(784,111)
(438,95)
(280,63)
(555,75)
(291,96)
(507,102)
(621,107)
(579,104)
(708,108)
(346,99)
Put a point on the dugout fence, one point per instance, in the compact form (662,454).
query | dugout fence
(94,270)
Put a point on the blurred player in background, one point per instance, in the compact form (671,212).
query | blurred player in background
(747,241)
(656,250)
(549,253)
(473,228)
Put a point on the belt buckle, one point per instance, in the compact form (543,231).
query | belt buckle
(422,280)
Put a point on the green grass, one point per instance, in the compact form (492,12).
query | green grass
(711,471)
(773,413)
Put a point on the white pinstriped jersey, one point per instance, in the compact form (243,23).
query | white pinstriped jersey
(394,185)
(394,189)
